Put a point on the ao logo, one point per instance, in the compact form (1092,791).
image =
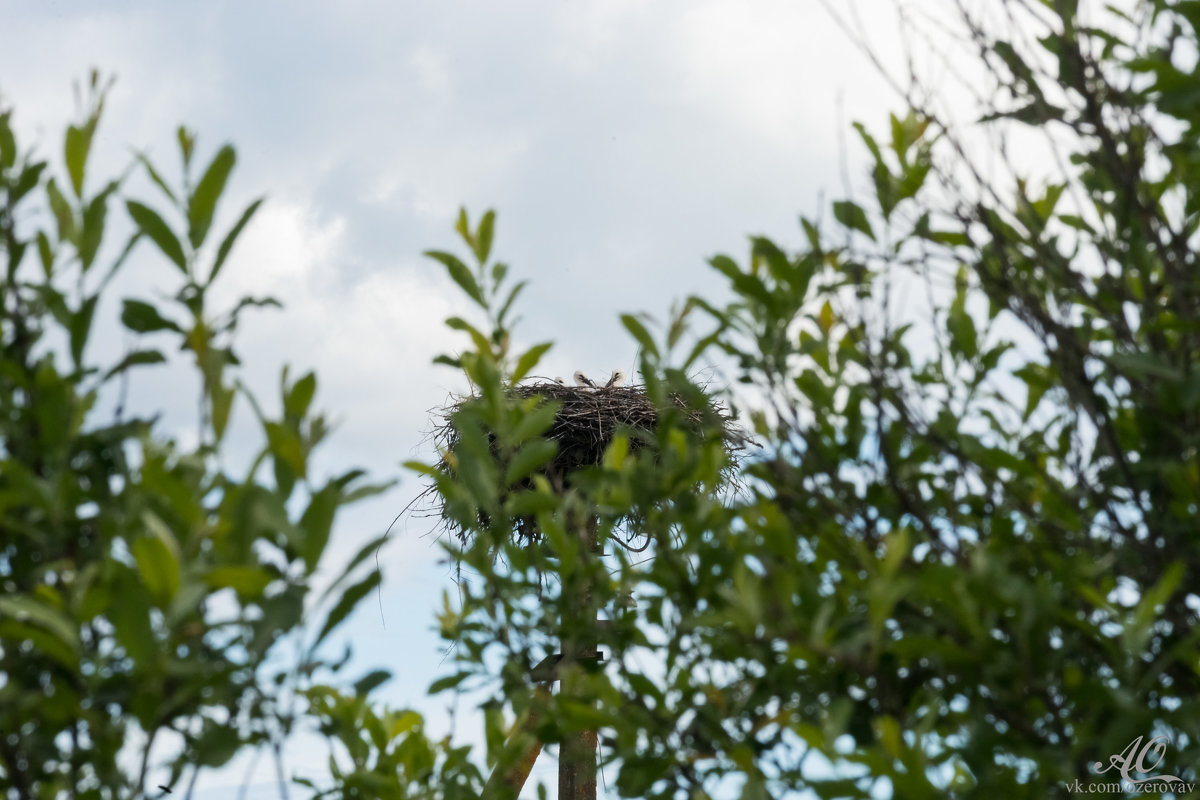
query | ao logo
(1136,757)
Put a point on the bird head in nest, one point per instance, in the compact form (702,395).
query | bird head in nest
(617,379)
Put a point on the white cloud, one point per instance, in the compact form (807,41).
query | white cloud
(441,165)
(286,251)
(586,35)
(772,68)
(432,69)
(370,334)
(54,52)
(742,62)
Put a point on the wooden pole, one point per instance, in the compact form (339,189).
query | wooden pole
(577,753)
(577,766)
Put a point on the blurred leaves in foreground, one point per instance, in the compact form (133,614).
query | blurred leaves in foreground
(144,588)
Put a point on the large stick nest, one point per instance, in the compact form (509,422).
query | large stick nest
(584,426)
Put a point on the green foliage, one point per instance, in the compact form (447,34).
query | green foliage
(142,586)
(385,755)
(960,567)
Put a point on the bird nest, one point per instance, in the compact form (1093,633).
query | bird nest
(584,425)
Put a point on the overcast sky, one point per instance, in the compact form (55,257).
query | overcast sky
(622,143)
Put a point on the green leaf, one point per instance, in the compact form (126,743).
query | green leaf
(778,264)
(286,447)
(897,549)
(317,522)
(367,490)
(349,599)
(617,452)
(701,347)
(535,423)
(202,204)
(41,639)
(508,302)
(459,274)
(156,177)
(92,232)
(151,224)
(913,176)
(63,215)
(529,503)
(220,398)
(477,338)
(463,227)
(187,145)
(950,238)
(95,601)
(1143,365)
(1075,221)
(141,317)
(679,323)
(372,680)
(528,458)
(1045,207)
(281,613)
(405,722)
(129,613)
(45,253)
(80,328)
(812,234)
(1140,627)
(1037,382)
(26,609)
(483,236)
(157,557)
(295,406)
(8,143)
(825,318)
(907,132)
(868,140)
(852,216)
(216,744)
(362,555)
(747,284)
(449,682)
(248,582)
(75,151)
(639,332)
(529,360)
(26,182)
(963,336)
